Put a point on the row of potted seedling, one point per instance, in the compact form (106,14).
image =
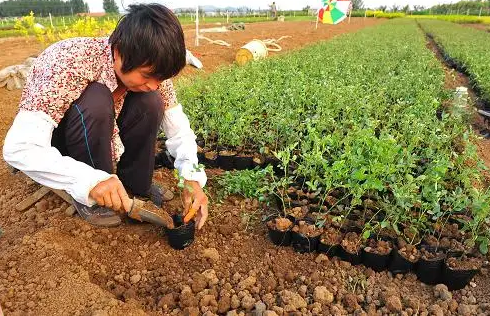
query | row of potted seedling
(229,158)
(432,265)
(311,225)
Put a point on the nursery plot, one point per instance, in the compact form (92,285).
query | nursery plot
(363,131)
(53,264)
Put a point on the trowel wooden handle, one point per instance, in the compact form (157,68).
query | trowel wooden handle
(192,212)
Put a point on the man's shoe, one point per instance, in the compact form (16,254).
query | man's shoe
(97,215)
(158,195)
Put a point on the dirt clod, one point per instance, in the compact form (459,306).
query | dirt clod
(441,291)
(211,254)
(322,295)
(394,304)
(247,283)
(292,301)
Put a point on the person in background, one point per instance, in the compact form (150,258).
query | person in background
(273,10)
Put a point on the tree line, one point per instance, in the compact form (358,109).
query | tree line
(55,7)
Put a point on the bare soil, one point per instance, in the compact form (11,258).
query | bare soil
(410,252)
(464,263)
(431,255)
(302,33)
(306,229)
(331,236)
(298,212)
(482,27)
(379,247)
(351,242)
(281,224)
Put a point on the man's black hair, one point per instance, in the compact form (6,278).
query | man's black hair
(150,35)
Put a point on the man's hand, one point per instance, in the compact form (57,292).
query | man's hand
(195,198)
(111,193)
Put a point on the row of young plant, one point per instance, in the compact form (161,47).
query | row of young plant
(460,19)
(358,124)
(466,48)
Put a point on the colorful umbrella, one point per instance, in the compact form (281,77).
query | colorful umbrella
(334,11)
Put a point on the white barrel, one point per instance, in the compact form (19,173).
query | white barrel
(253,50)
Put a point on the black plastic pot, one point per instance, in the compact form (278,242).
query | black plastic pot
(244,163)
(182,235)
(350,226)
(275,163)
(314,200)
(297,203)
(292,219)
(353,258)
(329,250)
(429,271)
(303,244)
(280,238)
(399,264)
(300,181)
(375,261)
(258,161)
(293,195)
(164,160)
(200,142)
(211,162)
(457,279)
(201,158)
(226,162)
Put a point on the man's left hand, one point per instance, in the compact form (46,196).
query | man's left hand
(195,198)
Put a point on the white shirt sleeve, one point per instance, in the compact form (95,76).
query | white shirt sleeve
(27,147)
(181,143)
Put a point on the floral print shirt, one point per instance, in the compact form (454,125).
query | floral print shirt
(62,72)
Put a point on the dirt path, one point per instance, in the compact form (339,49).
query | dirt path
(302,33)
(482,27)
(55,264)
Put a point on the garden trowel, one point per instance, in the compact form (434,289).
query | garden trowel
(159,218)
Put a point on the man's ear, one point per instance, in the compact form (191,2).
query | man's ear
(116,54)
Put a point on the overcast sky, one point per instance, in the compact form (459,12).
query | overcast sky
(96,5)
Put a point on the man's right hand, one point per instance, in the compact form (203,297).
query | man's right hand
(111,193)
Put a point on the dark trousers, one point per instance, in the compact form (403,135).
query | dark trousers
(85,134)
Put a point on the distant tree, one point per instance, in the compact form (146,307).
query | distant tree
(78,6)
(110,6)
(406,8)
(462,7)
(382,8)
(357,4)
(307,8)
(41,7)
(395,8)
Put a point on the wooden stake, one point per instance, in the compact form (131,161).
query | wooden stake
(197,25)
(62,194)
(33,198)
